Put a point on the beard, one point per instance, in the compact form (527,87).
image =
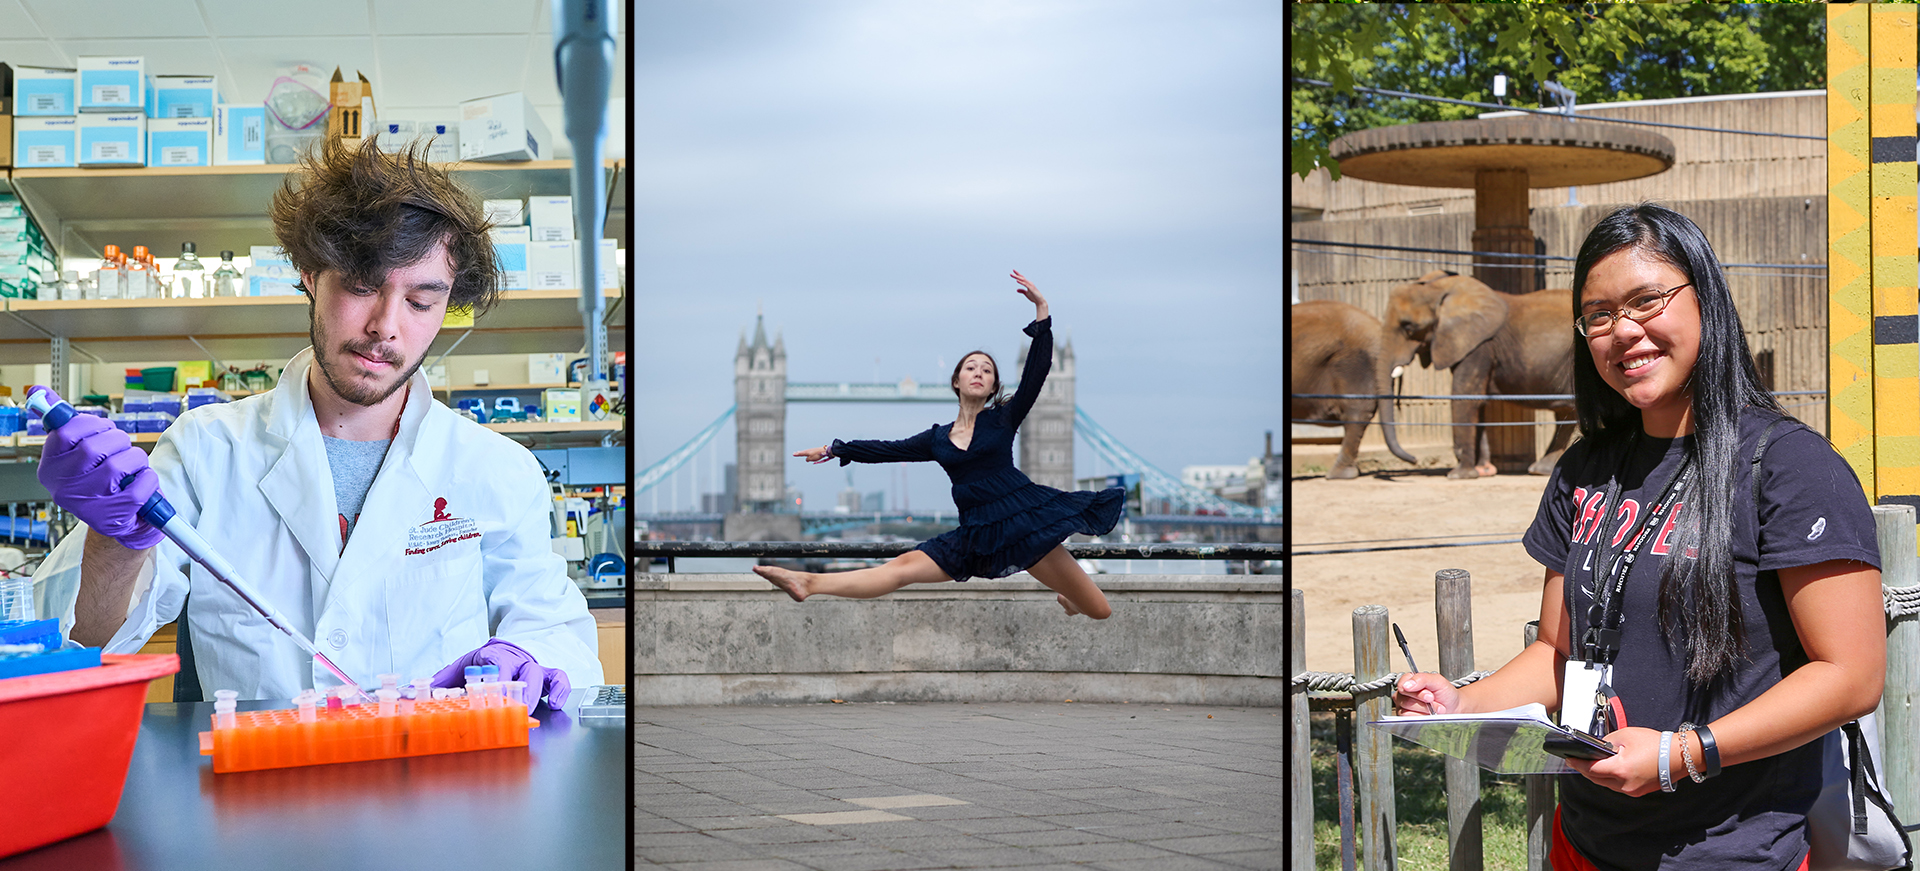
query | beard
(328,354)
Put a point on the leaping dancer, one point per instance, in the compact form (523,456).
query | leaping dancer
(1008,524)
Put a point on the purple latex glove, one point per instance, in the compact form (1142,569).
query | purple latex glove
(82,465)
(515,664)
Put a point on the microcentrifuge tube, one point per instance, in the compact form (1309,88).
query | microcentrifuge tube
(223,705)
(422,689)
(304,701)
(514,692)
(389,700)
(389,681)
(475,675)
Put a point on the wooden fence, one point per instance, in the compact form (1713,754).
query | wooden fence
(1363,769)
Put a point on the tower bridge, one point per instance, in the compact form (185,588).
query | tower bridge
(762,392)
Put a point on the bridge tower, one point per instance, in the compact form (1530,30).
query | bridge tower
(760,425)
(1046,438)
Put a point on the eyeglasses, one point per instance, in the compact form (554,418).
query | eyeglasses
(1641,309)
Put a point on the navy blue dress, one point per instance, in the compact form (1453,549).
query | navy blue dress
(1007,522)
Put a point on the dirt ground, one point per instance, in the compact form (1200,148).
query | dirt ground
(1405,507)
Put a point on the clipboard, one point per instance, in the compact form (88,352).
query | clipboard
(1518,740)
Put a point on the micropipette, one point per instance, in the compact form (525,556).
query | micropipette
(54,412)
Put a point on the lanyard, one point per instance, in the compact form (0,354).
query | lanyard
(1601,640)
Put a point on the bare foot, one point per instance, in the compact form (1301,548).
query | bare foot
(794,583)
(1065,604)
(1487,470)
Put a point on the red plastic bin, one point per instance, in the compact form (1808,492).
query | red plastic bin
(65,740)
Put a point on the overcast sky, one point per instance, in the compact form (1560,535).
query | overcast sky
(870,170)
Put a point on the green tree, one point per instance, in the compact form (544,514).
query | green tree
(1604,52)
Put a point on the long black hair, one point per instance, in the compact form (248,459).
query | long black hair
(1696,595)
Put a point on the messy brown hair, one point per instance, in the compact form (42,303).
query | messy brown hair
(362,212)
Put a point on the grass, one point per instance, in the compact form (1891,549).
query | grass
(1420,788)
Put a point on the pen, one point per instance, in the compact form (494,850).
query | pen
(1405,649)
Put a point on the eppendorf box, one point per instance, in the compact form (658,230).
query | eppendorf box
(43,91)
(179,141)
(503,127)
(240,134)
(44,143)
(182,96)
(113,139)
(113,84)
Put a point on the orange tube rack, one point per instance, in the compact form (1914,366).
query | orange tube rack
(277,739)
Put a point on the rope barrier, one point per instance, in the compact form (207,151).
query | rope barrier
(1899,602)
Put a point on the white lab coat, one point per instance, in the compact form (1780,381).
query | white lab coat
(407,596)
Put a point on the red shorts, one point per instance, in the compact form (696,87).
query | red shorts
(1563,857)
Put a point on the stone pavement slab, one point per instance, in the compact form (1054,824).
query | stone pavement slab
(954,785)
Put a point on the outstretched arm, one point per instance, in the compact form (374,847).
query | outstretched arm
(1039,357)
(915,449)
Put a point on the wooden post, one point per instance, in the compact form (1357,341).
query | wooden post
(1298,750)
(1453,616)
(1540,797)
(1899,721)
(1373,748)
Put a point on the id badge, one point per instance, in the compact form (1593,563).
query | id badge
(1581,696)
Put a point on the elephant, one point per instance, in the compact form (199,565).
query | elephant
(1494,343)
(1334,348)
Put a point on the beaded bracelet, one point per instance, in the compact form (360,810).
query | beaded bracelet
(1666,761)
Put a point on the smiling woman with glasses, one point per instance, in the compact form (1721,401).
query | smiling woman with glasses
(1712,578)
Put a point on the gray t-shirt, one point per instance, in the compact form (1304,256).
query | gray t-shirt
(354,465)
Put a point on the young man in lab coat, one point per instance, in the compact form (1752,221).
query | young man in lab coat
(401,537)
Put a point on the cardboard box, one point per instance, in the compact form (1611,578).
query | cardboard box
(40,143)
(550,265)
(6,141)
(560,403)
(506,213)
(179,141)
(44,91)
(510,256)
(352,106)
(271,273)
(546,368)
(443,140)
(239,134)
(182,96)
(113,139)
(113,84)
(503,127)
(551,218)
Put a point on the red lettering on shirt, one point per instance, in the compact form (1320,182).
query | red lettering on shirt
(1629,510)
(1662,547)
(1589,513)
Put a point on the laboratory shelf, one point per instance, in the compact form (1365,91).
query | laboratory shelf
(267,327)
(225,207)
(557,426)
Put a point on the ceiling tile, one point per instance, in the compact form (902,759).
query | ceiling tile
(177,56)
(15,22)
(444,70)
(33,53)
(254,18)
(94,19)
(431,17)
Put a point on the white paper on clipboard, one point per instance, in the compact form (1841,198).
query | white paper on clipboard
(1503,742)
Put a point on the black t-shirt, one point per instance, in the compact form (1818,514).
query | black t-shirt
(1812,510)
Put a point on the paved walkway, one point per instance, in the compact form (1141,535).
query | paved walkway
(890,787)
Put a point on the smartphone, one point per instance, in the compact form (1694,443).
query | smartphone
(1578,745)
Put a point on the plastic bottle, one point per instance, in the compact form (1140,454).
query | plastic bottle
(189,274)
(139,274)
(107,279)
(16,598)
(226,279)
